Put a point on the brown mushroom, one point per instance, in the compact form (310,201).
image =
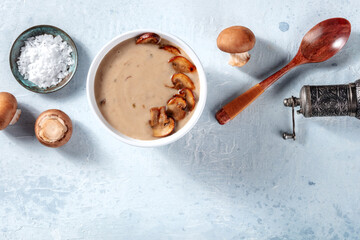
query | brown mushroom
(181,64)
(53,128)
(161,124)
(188,95)
(175,108)
(148,38)
(236,40)
(181,80)
(171,49)
(9,114)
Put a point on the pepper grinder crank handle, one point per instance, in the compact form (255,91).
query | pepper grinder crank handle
(325,101)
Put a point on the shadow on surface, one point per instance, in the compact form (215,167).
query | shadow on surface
(24,127)
(220,92)
(266,59)
(224,158)
(80,147)
(229,97)
(249,152)
(344,127)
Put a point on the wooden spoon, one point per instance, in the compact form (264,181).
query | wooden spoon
(322,42)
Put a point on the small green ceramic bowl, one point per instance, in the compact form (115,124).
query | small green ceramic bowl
(20,42)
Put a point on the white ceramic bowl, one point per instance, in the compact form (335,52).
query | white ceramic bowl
(132,141)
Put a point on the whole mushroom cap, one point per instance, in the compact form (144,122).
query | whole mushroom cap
(8,106)
(236,39)
(53,128)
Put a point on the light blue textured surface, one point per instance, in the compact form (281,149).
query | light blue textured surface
(239,181)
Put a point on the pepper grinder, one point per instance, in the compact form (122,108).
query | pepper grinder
(324,101)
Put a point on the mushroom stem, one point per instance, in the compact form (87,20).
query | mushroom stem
(239,59)
(52,128)
(15,117)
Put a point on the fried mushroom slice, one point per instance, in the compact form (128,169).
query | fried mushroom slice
(152,38)
(181,80)
(171,49)
(188,95)
(154,116)
(181,64)
(175,108)
(161,124)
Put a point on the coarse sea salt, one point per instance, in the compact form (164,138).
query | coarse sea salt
(45,60)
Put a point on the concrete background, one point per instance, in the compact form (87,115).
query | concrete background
(239,181)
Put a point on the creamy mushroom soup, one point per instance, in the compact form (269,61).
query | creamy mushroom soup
(132,79)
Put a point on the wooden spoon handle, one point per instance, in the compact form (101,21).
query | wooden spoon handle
(233,108)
